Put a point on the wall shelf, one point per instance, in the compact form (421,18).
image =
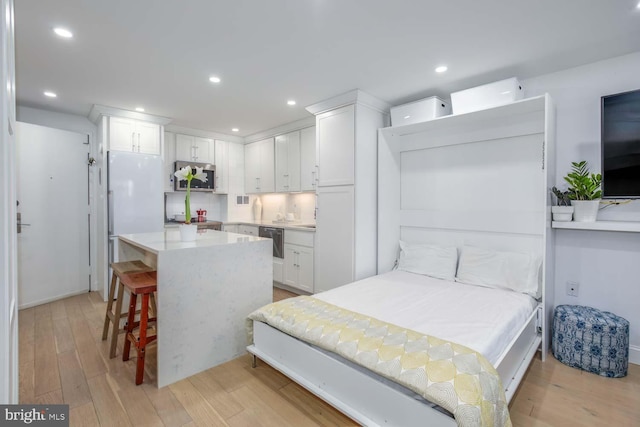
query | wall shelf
(628,226)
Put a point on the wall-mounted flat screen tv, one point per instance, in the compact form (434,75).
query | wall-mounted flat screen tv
(621,145)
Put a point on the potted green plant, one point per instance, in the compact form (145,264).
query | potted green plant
(584,191)
(562,211)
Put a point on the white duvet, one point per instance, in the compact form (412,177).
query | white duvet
(480,318)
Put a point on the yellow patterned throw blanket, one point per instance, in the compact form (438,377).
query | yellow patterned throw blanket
(448,374)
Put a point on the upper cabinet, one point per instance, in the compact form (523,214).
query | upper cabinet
(259,166)
(222,166)
(308,164)
(287,166)
(336,148)
(195,149)
(134,135)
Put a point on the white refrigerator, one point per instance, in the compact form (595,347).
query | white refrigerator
(135,196)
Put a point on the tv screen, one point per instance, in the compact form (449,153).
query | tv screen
(621,145)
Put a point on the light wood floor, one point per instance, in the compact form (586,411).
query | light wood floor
(64,360)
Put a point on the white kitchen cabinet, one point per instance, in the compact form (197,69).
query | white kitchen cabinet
(169,159)
(134,135)
(230,228)
(222,166)
(298,267)
(287,162)
(259,167)
(336,148)
(195,149)
(250,230)
(347,131)
(308,168)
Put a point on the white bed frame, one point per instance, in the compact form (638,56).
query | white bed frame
(491,171)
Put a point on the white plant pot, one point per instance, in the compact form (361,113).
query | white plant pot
(585,210)
(562,213)
(188,232)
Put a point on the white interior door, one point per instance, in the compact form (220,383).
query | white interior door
(53,196)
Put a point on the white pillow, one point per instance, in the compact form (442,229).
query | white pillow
(430,260)
(510,270)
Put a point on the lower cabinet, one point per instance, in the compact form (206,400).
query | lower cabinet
(298,267)
(250,230)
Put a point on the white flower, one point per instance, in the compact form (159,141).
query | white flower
(200,174)
(183,173)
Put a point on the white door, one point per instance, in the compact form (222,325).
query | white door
(184,148)
(308,159)
(305,268)
(122,134)
(221,149)
(53,192)
(336,146)
(148,138)
(266,162)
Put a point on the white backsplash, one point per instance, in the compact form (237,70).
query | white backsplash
(301,205)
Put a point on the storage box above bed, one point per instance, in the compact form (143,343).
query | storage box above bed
(487,96)
(419,111)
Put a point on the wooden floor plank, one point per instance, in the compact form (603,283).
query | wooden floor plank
(322,412)
(63,335)
(169,409)
(108,407)
(26,380)
(58,311)
(46,374)
(92,362)
(83,416)
(217,397)
(51,398)
(196,405)
(74,385)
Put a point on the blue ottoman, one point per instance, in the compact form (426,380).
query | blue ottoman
(589,339)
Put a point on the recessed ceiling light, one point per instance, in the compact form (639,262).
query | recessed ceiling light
(407,117)
(235,130)
(140,109)
(63,32)
(638,5)
(50,94)
(441,69)
(214,79)
(291,102)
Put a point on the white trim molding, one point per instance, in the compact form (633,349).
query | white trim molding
(352,97)
(203,134)
(103,110)
(279,130)
(634,354)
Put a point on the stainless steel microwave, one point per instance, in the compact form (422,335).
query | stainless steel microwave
(196,184)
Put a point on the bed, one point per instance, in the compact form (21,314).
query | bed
(443,182)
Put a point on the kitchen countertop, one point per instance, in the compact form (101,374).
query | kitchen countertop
(294,225)
(170,240)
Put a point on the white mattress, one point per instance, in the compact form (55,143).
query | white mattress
(480,318)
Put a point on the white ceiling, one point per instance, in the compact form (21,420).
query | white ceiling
(160,53)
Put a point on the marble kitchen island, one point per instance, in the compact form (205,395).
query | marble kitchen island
(206,289)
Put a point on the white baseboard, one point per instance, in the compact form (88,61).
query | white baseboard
(634,354)
(46,300)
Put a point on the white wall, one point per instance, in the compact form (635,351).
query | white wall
(606,264)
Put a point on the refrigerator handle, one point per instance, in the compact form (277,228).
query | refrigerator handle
(110,208)
(110,251)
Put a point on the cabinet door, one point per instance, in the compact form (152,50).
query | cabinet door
(287,162)
(185,148)
(334,239)
(169,159)
(147,137)
(230,228)
(308,176)
(203,150)
(266,163)
(290,273)
(251,167)
(121,134)
(221,149)
(336,145)
(305,268)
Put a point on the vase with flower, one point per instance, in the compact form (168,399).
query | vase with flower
(189,231)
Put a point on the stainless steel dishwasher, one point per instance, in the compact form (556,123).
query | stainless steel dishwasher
(277,235)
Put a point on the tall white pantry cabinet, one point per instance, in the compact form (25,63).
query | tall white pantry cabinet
(346,134)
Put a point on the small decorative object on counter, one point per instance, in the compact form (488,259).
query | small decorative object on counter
(188,231)
(202,215)
(257,209)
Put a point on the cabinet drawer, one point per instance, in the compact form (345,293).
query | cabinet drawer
(302,238)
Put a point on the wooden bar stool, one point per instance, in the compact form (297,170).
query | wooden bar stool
(144,284)
(111,317)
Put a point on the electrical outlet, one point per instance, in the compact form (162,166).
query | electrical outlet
(573,289)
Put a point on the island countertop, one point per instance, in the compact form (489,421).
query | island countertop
(169,240)
(205,290)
